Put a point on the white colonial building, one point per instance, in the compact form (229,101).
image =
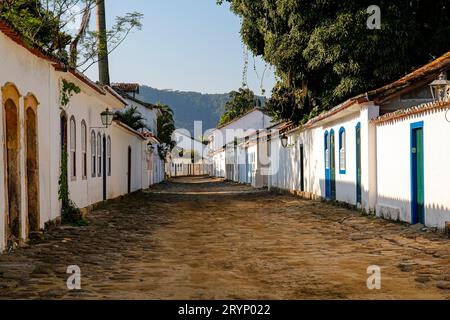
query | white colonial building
(229,161)
(384,151)
(37,129)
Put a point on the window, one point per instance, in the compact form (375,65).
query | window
(84,149)
(73,149)
(109,156)
(93,154)
(342,151)
(327,151)
(99,154)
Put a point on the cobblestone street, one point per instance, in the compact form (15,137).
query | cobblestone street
(200,238)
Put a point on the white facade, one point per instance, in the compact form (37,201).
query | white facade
(395,167)
(224,137)
(288,168)
(385,152)
(32,135)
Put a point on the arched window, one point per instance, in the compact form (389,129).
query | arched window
(73,148)
(84,149)
(109,155)
(342,151)
(99,154)
(93,153)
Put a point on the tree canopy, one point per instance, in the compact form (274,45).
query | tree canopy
(240,102)
(323,52)
(37,24)
(45,23)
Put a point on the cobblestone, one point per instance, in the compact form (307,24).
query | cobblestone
(201,238)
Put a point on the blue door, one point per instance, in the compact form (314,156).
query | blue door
(327,166)
(417,174)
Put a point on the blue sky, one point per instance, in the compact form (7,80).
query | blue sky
(187,45)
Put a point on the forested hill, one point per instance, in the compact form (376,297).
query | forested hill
(188,106)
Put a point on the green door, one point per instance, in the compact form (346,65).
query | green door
(417,171)
(333,165)
(358,165)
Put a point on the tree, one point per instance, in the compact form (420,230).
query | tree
(44,23)
(132,118)
(38,25)
(103,61)
(240,102)
(166,127)
(324,53)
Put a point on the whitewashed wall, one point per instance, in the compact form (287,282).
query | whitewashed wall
(33,75)
(240,128)
(30,75)
(394,167)
(286,171)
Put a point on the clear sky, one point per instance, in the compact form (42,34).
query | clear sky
(187,45)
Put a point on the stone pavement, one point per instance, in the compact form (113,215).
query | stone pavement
(200,238)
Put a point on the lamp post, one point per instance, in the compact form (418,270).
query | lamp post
(440,89)
(284,141)
(107,118)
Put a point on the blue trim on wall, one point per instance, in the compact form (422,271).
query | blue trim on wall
(327,169)
(342,130)
(414,213)
(358,126)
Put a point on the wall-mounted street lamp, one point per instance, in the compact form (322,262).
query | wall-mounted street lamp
(107,118)
(150,147)
(181,152)
(284,141)
(440,89)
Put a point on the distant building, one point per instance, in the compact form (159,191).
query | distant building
(230,154)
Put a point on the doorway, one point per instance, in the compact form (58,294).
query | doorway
(129,169)
(104,168)
(32,166)
(358,165)
(332,165)
(417,174)
(12,171)
(302,168)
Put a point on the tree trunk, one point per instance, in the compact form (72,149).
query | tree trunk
(103,63)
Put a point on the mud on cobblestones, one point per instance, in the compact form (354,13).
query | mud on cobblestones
(201,238)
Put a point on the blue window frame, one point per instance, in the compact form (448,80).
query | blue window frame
(342,151)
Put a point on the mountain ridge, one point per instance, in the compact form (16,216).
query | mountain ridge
(189,106)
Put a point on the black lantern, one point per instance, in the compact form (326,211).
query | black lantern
(181,153)
(440,89)
(107,118)
(150,147)
(284,141)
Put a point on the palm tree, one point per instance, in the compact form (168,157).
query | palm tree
(132,118)
(103,63)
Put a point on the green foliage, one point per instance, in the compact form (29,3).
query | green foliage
(70,213)
(38,26)
(91,47)
(189,106)
(68,89)
(240,102)
(132,118)
(43,23)
(324,53)
(166,127)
